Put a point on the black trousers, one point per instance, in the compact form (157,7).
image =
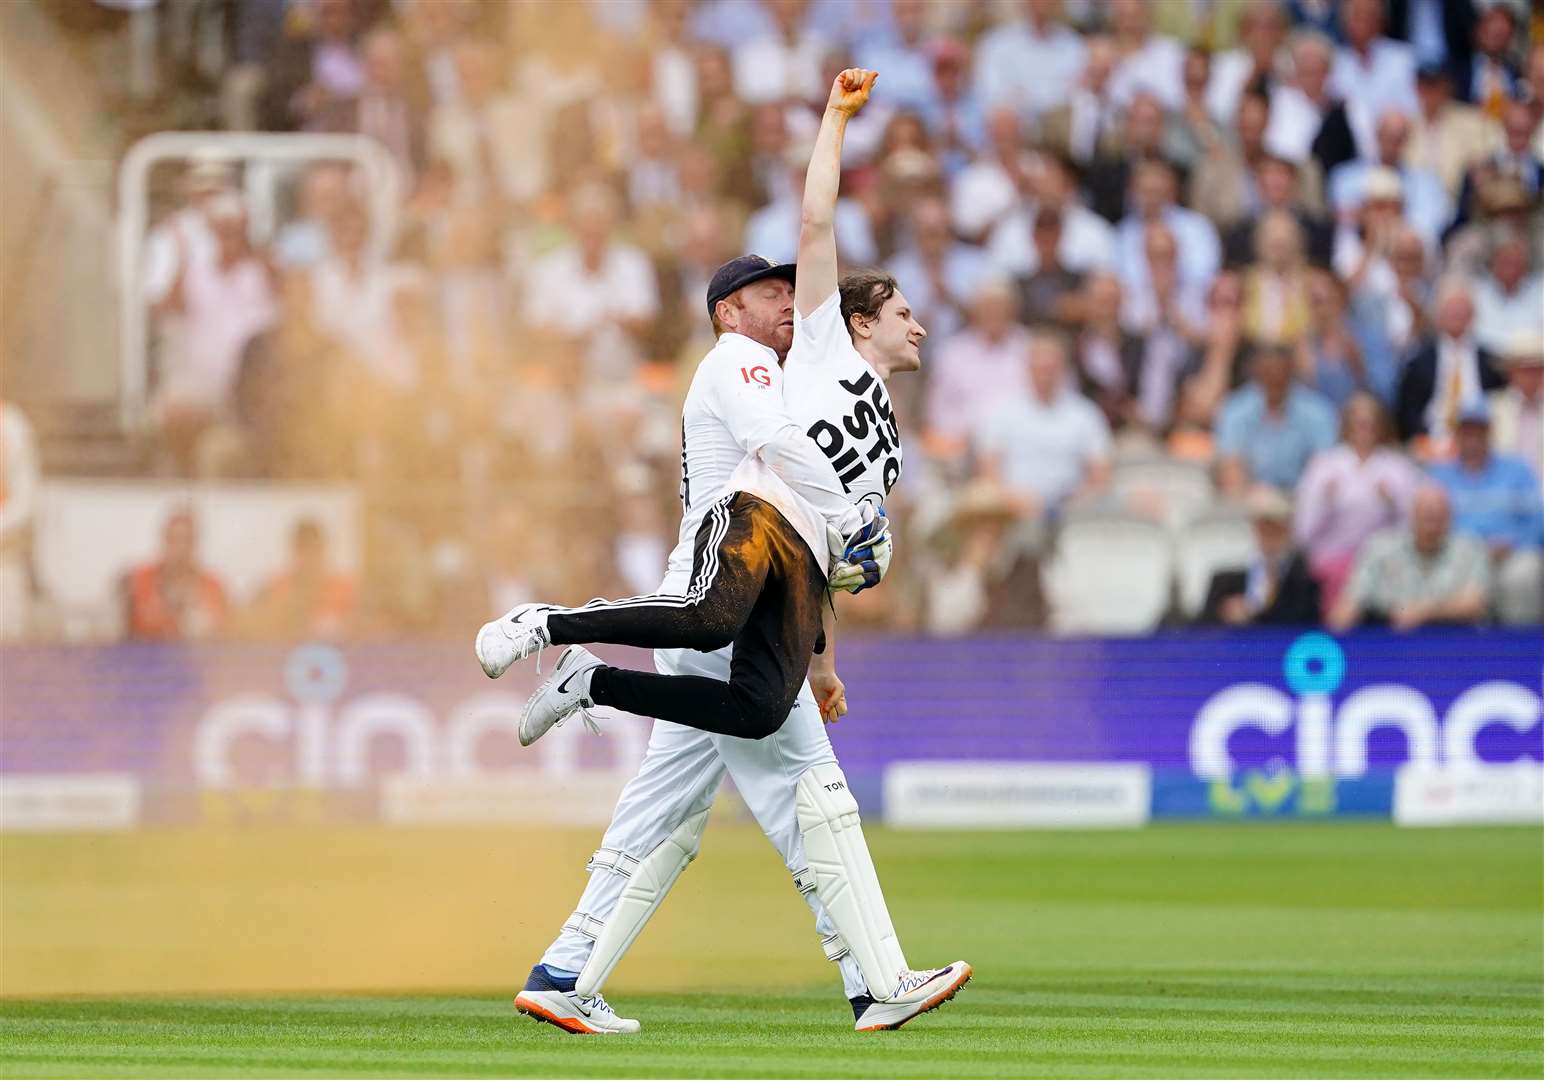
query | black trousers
(754,585)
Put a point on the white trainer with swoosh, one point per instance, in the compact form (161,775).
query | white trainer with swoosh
(517,634)
(918,992)
(566,693)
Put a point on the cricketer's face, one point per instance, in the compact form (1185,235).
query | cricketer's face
(763,312)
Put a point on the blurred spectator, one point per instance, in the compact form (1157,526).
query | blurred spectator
(773,231)
(324,193)
(1050,293)
(1514,160)
(1308,117)
(1221,364)
(1223,184)
(990,188)
(1167,313)
(1447,137)
(1351,491)
(308,600)
(185,237)
(1517,410)
(1363,246)
(1508,300)
(1331,356)
(222,302)
(955,117)
(1421,575)
(901,55)
(1046,447)
(1489,77)
(597,292)
(1137,138)
(19,477)
(1148,61)
(1275,588)
(174,598)
(1276,286)
(384,108)
(1153,200)
(937,273)
(976,369)
(1279,186)
(1085,241)
(1448,375)
(1495,497)
(255,28)
(316,68)
(672,67)
(1269,428)
(643,537)
(785,65)
(492,139)
(1427,207)
(1376,71)
(1192,129)
(351,297)
(1029,65)
(1253,67)
(1089,119)
(1107,358)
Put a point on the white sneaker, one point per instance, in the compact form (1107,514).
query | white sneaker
(518,634)
(566,693)
(918,992)
(545,999)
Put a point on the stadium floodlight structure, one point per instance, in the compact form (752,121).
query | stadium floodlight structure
(264,155)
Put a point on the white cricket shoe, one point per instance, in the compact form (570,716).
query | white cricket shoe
(566,693)
(918,992)
(545,999)
(521,632)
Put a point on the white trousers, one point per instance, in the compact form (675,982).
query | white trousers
(679,776)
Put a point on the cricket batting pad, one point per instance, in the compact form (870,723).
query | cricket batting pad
(845,879)
(649,879)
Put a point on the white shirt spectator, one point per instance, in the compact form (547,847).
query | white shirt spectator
(1087,242)
(981,196)
(1343,500)
(1385,80)
(1500,319)
(184,235)
(771,69)
(970,377)
(1427,206)
(773,232)
(356,309)
(1158,68)
(1029,71)
(222,309)
(1200,252)
(1045,449)
(565,295)
(1230,74)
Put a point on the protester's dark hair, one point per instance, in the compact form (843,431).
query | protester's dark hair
(864,292)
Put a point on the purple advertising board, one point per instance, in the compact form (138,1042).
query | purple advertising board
(188,722)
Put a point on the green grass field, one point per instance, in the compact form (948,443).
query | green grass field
(1179,951)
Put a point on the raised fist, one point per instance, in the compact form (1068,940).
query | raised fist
(851,90)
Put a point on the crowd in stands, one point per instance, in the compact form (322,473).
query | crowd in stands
(1293,247)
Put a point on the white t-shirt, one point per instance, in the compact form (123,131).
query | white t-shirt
(737,435)
(1045,449)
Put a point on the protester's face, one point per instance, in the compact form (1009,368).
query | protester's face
(897,335)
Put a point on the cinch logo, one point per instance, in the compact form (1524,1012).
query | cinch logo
(758,374)
(1332,739)
(320,740)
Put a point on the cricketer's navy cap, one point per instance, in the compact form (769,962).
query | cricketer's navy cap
(1474,413)
(738,273)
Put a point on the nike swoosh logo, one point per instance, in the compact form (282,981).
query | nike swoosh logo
(563,686)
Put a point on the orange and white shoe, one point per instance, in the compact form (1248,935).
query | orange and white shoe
(918,992)
(553,1001)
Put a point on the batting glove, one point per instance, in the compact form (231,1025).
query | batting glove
(865,559)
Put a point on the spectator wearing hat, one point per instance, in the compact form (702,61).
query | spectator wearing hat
(1351,491)
(1496,498)
(1269,428)
(1363,244)
(1427,206)
(1447,136)
(1422,574)
(1517,409)
(1448,375)
(1275,587)
(1514,160)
